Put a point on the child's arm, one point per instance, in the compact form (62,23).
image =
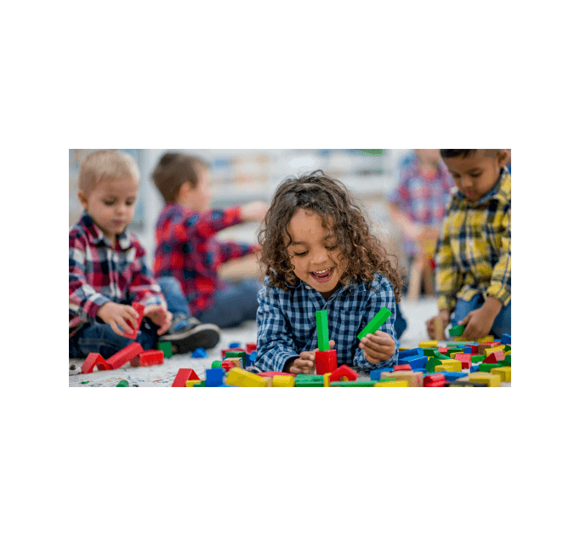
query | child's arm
(275,343)
(381,349)
(447,278)
(230,250)
(84,300)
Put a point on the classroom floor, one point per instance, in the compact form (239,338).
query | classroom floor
(416,313)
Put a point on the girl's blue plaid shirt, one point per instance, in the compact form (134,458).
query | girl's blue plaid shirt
(287,322)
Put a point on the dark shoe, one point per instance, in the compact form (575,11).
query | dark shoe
(187,334)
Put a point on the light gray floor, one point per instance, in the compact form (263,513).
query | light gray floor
(416,314)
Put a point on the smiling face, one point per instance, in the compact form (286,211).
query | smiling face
(476,174)
(315,257)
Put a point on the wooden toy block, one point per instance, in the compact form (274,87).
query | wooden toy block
(456,331)
(214,377)
(251,347)
(353,384)
(499,356)
(191,383)
(477,358)
(272,373)
(427,344)
(505,373)
(450,364)
(458,383)
(94,360)
(270,380)
(282,381)
(327,379)
(506,339)
(375,374)
(126,354)
(396,383)
(148,359)
(464,359)
(489,338)
(411,352)
(123,383)
(237,352)
(325,361)
(451,376)
(132,334)
(228,364)
(183,375)
(242,378)
(165,347)
(483,345)
(439,329)
(413,379)
(199,353)
(488,367)
(309,380)
(376,322)
(416,362)
(491,350)
(431,364)
(491,380)
(237,361)
(322,330)
(434,380)
(402,367)
(508,359)
(344,371)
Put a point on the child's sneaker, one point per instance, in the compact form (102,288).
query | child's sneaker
(187,333)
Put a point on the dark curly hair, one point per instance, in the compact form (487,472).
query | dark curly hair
(329,198)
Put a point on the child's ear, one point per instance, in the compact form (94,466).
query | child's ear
(502,157)
(184,190)
(83,199)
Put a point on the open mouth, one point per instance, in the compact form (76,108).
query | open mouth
(322,276)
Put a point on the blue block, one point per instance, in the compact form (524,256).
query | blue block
(417,361)
(474,368)
(376,373)
(423,370)
(199,352)
(214,377)
(467,350)
(506,339)
(251,359)
(452,376)
(235,345)
(411,352)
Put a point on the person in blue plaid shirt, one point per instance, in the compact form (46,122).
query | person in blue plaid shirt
(319,254)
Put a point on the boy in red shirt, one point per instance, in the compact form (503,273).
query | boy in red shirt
(187,249)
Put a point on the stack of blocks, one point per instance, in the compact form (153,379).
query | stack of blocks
(432,364)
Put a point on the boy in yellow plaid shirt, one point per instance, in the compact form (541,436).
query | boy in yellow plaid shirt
(473,255)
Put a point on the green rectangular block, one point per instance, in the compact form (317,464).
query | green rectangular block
(477,358)
(378,320)
(322,330)
(165,347)
(486,367)
(316,382)
(235,353)
(456,331)
(430,352)
(352,384)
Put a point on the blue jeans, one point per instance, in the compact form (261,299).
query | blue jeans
(100,338)
(502,323)
(233,305)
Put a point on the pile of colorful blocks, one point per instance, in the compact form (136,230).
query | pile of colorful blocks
(482,363)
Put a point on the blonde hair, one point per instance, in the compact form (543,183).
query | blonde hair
(106,164)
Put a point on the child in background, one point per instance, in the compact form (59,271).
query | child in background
(474,248)
(187,249)
(318,254)
(417,205)
(107,272)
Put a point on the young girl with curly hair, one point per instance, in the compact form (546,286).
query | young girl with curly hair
(318,253)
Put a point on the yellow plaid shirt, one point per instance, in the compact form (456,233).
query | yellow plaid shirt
(473,254)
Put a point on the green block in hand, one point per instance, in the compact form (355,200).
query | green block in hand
(378,320)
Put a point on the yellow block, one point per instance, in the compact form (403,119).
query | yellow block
(460,338)
(413,379)
(327,379)
(493,349)
(492,380)
(282,381)
(452,355)
(243,378)
(191,383)
(505,373)
(450,365)
(428,344)
(396,383)
(489,338)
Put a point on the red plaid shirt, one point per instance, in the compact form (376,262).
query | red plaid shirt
(99,274)
(187,250)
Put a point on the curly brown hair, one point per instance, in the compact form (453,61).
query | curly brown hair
(329,198)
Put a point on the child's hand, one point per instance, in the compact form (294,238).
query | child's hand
(160,316)
(377,347)
(117,315)
(477,324)
(254,211)
(306,363)
(444,315)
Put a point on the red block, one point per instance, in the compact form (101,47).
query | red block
(228,364)
(140,309)
(325,361)
(494,357)
(434,380)
(442,350)
(124,355)
(465,360)
(183,375)
(148,358)
(343,370)
(94,360)
(251,347)
(401,367)
(474,348)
